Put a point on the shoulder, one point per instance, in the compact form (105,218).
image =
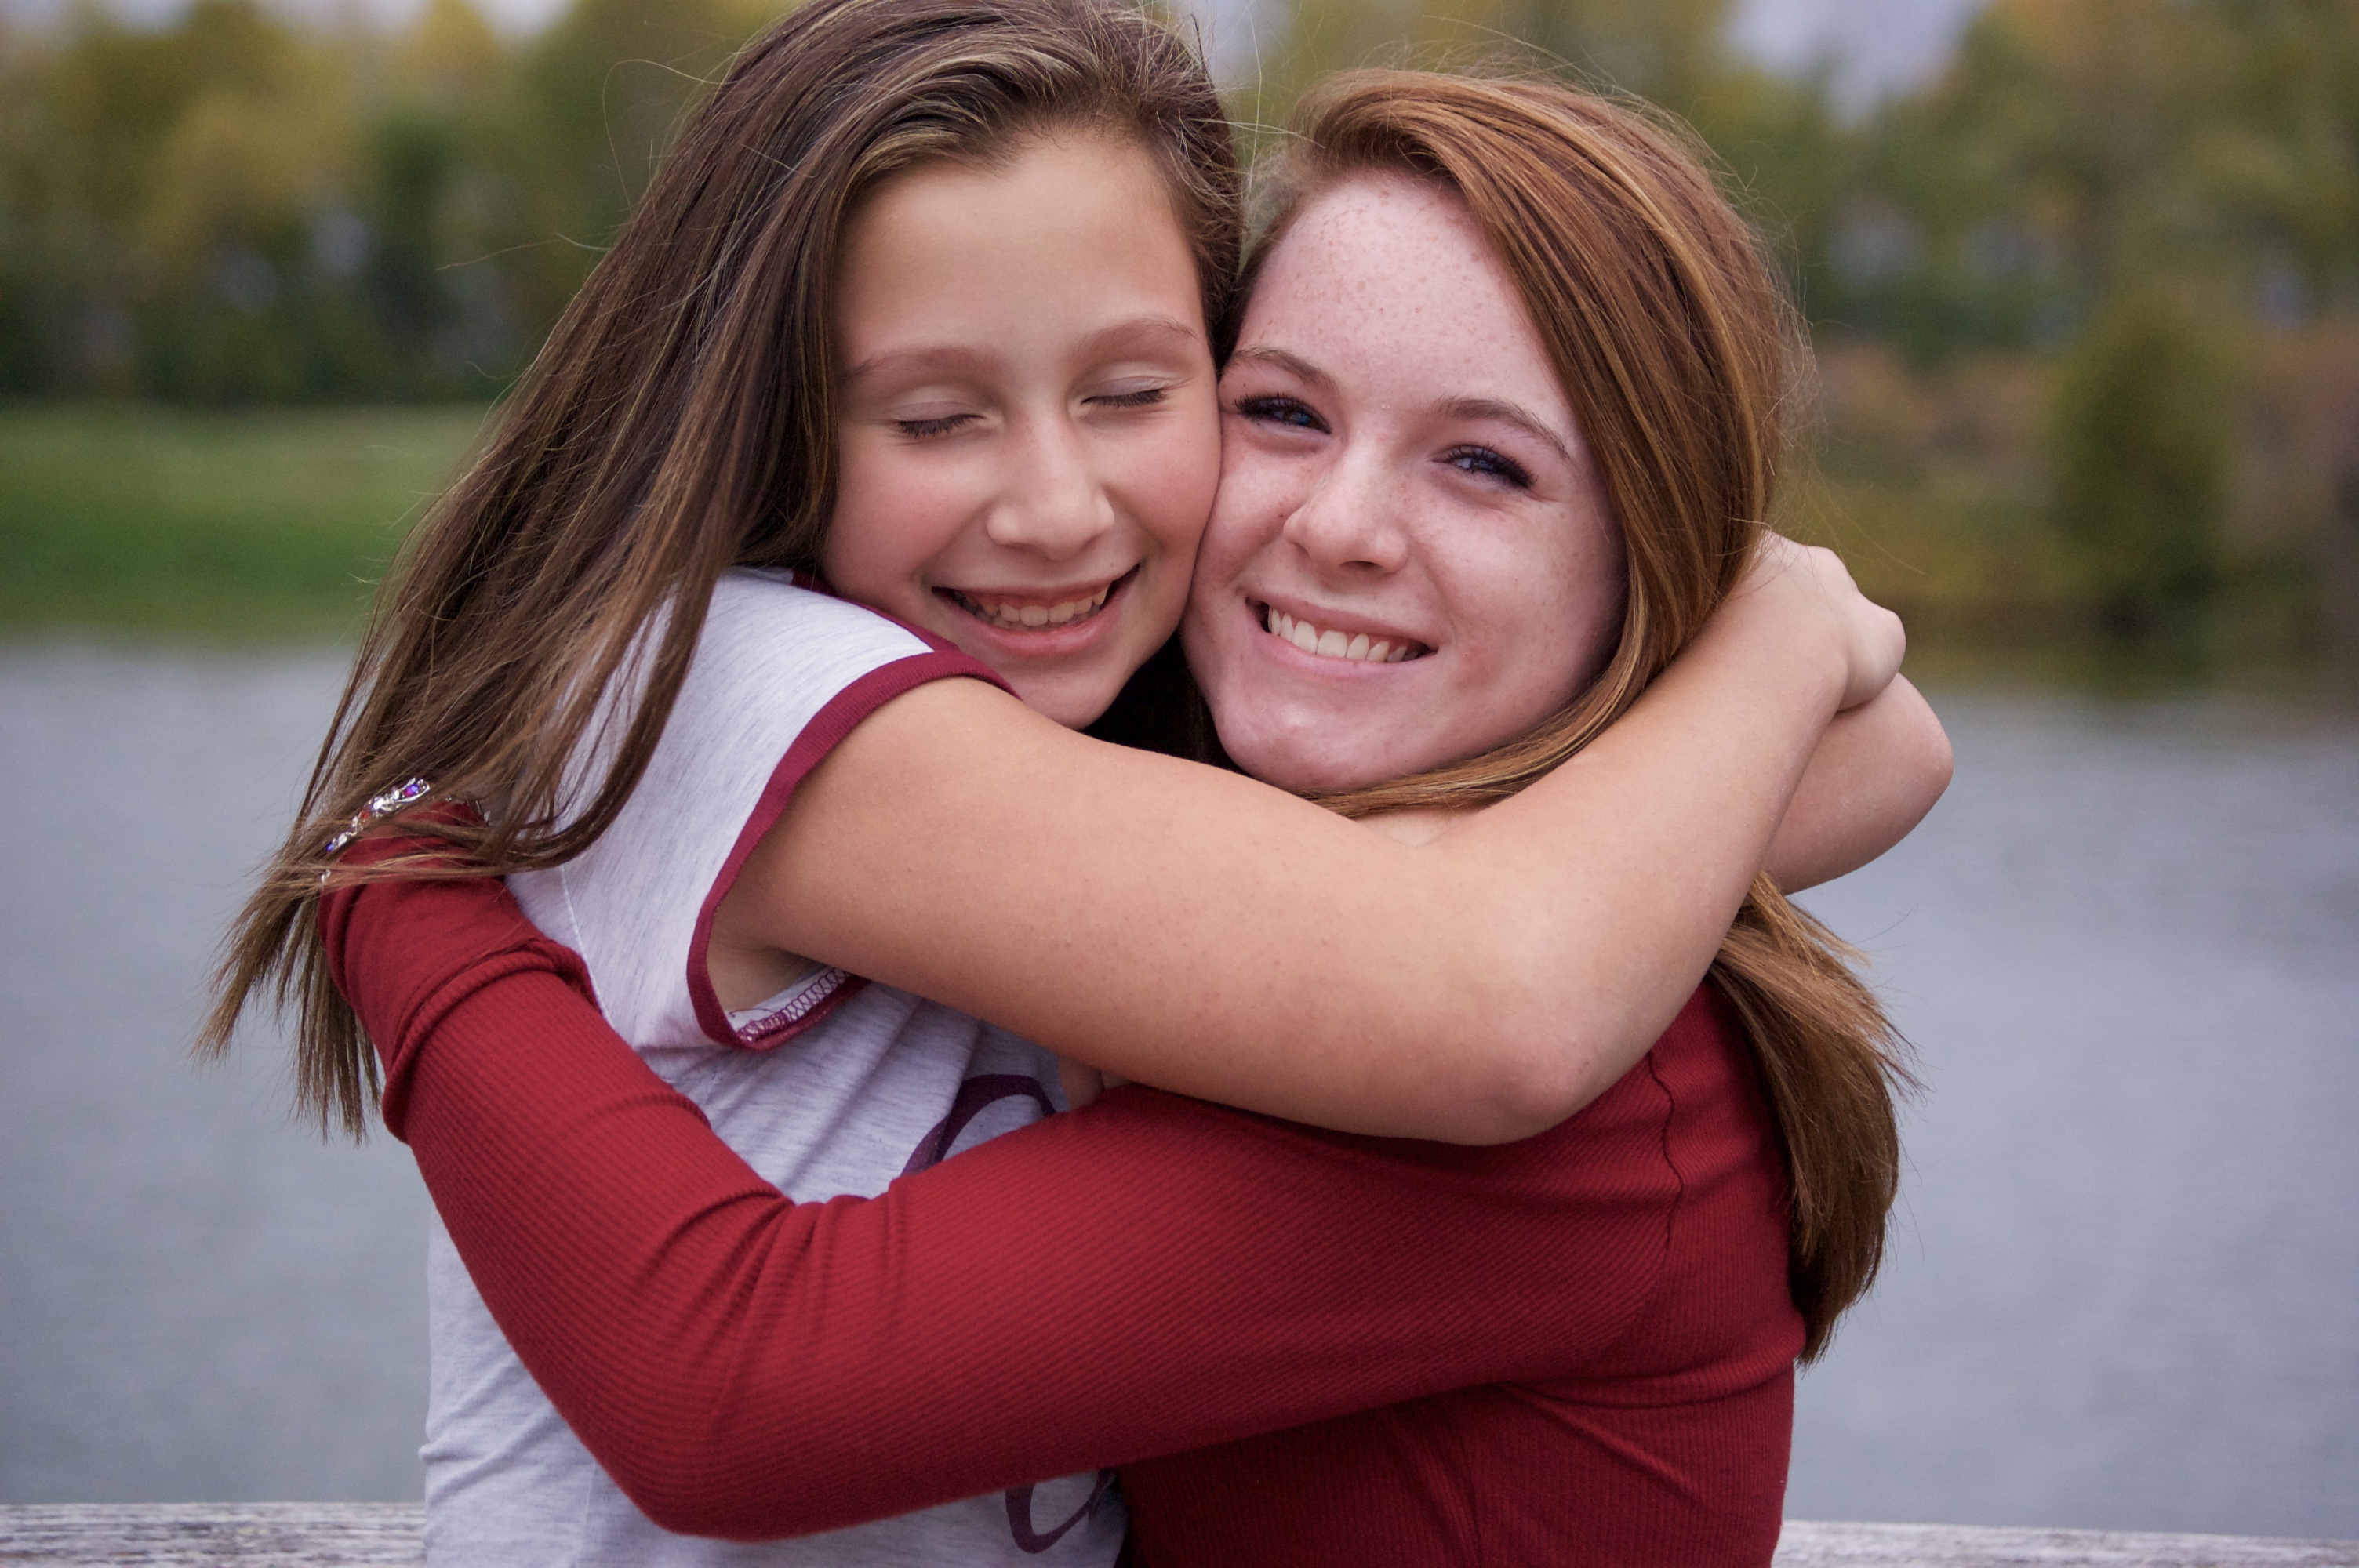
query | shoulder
(768,616)
(774,654)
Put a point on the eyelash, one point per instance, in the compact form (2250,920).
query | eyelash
(1483,460)
(1466,460)
(1280,411)
(924,430)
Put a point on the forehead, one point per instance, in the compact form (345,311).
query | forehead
(1062,231)
(1390,274)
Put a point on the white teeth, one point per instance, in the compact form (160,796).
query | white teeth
(1356,646)
(1036,615)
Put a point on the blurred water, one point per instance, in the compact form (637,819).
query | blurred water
(197,1300)
(2125,1289)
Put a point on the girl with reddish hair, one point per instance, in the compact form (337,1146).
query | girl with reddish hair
(1607,1313)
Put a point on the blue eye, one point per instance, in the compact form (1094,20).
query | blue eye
(1483,460)
(1280,411)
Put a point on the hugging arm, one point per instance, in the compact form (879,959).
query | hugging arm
(1877,771)
(1200,931)
(750,1368)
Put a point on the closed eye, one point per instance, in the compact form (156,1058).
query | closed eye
(922,428)
(1483,460)
(1280,410)
(1145,398)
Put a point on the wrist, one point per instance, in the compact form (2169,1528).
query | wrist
(1778,642)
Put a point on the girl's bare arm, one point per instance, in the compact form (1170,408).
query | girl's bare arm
(1199,931)
(1878,769)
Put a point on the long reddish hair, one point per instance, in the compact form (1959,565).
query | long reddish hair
(1677,347)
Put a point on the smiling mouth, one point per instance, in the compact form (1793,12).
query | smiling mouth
(1331,644)
(1033,614)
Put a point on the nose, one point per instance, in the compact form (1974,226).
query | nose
(1055,502)
(1351,524)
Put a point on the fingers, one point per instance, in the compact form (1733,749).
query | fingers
(1814,586)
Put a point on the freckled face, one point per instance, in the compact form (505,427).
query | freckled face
(1029,430)
(1411,560)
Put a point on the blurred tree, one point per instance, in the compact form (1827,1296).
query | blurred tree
(235,208)
(1669,51)
(2139,437)
(601,92)
(2076,146)
(238,306)
(427,215)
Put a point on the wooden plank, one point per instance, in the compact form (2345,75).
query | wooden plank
(197,1535)
(1813,1545)
(386,1535)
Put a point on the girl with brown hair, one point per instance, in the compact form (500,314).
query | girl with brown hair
(1593,1329)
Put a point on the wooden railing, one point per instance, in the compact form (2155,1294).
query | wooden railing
(379,1535)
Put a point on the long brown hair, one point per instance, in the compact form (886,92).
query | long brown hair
(679,421)
(1677,347)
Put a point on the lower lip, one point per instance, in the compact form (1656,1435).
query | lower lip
(1042,641)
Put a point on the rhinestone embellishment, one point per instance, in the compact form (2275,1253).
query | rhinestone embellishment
(379,807)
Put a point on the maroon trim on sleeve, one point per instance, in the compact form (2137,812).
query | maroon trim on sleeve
(842,715)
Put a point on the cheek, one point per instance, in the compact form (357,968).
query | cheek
(892,516)
(1543,621)
(1252,503)
(1172,482)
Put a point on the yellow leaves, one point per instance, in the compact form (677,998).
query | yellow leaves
(239,165)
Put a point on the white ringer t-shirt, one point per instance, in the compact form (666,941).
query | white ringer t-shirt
(834,1086)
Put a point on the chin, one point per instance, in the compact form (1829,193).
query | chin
(1073,706)
(1308,763)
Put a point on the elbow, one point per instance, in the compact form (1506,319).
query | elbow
(677,1498)
(678,1492)
(1528,1038)
(1521,1077)
(703,1486)
(1928,766)
(1938,766)
(1546,1085)
(1929,763)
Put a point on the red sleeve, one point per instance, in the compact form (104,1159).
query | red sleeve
(1149,1275)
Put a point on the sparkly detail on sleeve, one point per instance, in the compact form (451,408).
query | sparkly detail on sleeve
(379,807)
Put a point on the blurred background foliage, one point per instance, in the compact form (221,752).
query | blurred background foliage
(2086,303)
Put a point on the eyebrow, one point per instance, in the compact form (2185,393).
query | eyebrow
(1497,408)
(950,355)
(1292,363)
(1508,413)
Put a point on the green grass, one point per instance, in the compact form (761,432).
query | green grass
(255,524)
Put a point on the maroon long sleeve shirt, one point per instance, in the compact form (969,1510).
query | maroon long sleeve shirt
(1300,1346)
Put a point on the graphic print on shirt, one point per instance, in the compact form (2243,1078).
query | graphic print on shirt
(779,675)
(976,1095)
